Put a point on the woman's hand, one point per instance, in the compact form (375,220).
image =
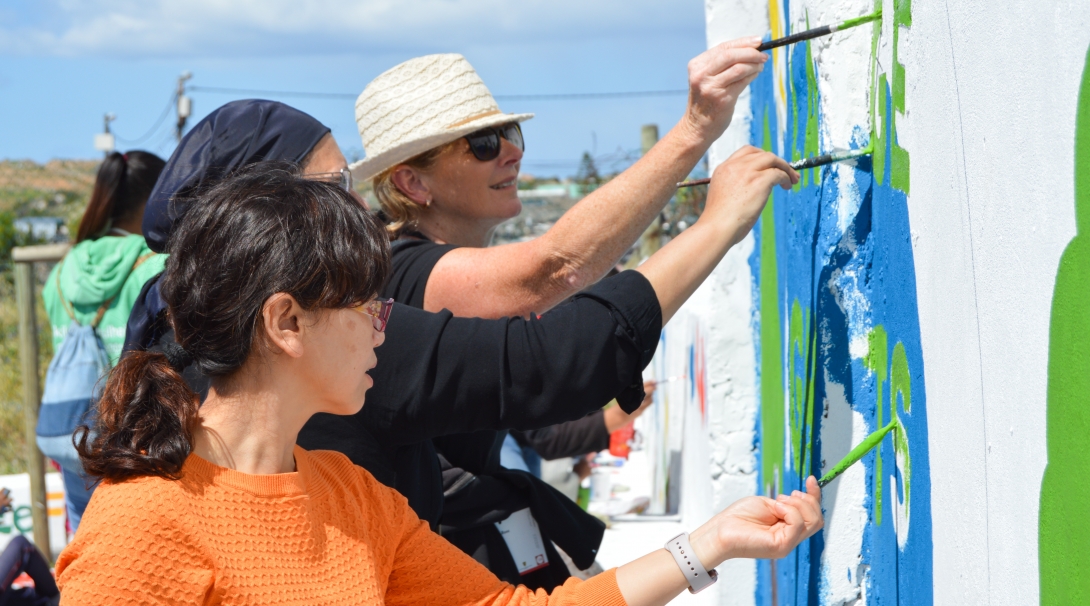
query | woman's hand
(754,527)
(741,186)
(759,527)
(739,189)
(717,78)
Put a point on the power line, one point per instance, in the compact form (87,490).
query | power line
(154,128)
(537,97)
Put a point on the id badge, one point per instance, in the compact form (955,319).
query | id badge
(524,541)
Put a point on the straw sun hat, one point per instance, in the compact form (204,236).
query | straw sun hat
(419,105)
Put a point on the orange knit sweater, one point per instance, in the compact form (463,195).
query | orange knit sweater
(327,534)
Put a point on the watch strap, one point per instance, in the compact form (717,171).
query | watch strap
(699,578)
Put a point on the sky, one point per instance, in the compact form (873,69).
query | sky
(65,63)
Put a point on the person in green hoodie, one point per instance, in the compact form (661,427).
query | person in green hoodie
(98,281)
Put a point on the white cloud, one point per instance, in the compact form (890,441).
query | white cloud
(166,28)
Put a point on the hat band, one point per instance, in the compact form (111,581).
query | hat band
(486,114)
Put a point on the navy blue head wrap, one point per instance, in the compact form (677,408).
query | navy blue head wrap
(235,135)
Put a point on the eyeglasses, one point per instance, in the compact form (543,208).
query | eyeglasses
(485,143)
(379,311)
(341,178)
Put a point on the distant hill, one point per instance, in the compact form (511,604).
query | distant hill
(58,188)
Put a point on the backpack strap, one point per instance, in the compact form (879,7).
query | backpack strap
(105,305)
(65,304)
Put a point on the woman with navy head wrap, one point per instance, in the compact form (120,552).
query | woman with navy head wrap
(237,134)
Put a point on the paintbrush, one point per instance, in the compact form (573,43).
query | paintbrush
(671,379)
(817,32)
(805,163)
(857,453)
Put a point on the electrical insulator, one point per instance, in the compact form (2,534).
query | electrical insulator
(185,107)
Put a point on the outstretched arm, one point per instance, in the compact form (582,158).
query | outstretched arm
(738,192)
(753,527)
(531,277)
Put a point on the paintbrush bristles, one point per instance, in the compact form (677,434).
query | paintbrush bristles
(857,453)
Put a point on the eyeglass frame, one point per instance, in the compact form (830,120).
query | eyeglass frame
(500,133)
(380,317)
(343,176)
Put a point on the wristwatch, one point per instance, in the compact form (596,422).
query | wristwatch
(699,578)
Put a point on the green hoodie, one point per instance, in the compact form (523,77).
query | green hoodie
(91,273)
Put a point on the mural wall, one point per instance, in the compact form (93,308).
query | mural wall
(921,289)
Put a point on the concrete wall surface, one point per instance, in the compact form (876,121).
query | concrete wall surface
(939,286)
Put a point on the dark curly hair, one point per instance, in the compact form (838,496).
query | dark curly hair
(262,231)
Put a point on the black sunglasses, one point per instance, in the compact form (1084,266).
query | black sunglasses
(485,143)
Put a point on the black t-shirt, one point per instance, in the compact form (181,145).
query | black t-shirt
(477,491)
(411,262)
(439,375)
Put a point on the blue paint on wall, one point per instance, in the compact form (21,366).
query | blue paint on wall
(846,282)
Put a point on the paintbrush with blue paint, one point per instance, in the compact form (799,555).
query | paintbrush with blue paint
(846,155)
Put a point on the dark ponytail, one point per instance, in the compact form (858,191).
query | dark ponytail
(122,187)
(263,231)
(146,419)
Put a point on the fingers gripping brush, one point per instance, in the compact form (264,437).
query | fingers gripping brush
(805,163)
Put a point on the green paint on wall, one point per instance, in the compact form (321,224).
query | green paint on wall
(900,384)
(886,125)
(900,388)
(1063,532)
(797,396)
(877,138)
(772,403)
(811,145)
(800,386)
(877,355)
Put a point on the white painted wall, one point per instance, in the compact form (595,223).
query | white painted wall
(990,122)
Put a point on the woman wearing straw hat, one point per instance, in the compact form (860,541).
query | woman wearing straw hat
(444,160)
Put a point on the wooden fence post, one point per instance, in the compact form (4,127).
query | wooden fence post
(28,353)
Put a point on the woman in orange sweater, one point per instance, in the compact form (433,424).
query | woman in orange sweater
(270,288)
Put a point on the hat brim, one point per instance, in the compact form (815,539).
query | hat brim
(369,167)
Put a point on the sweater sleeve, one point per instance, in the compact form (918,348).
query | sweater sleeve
(429,570)
(439,375)
(132,549)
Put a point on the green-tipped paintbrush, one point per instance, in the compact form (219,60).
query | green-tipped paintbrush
(818,32)
(857,453)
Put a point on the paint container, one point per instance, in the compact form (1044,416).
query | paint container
(583,497)
(601,484)
(620,441)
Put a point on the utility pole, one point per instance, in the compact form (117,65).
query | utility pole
(185,105)
(104,141)
(649,136)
